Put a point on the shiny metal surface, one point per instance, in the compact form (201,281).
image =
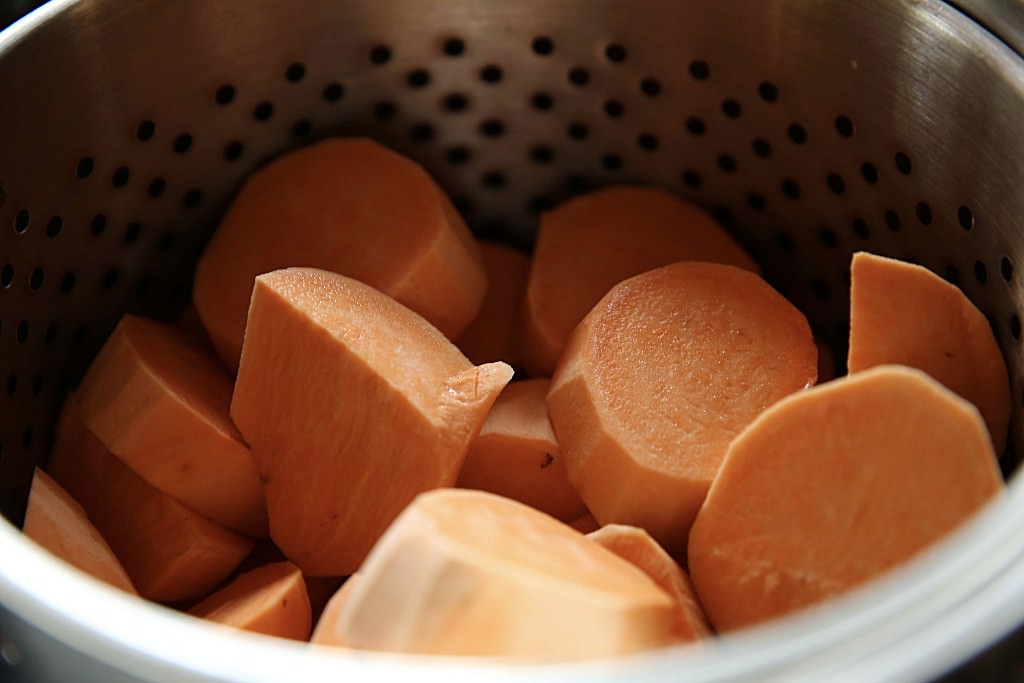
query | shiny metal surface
(1005,18)
(814,128)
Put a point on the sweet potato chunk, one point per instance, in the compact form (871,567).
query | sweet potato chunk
(325,632)
(271,600)
(470,573)
(493,334)
(516,454)
(347,205)
(54,520)
(591,243)
(170,552)
(159,401)
(659,378)
(832,486)
(905,314)
(352,404)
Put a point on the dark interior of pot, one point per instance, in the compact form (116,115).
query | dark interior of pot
(811,129)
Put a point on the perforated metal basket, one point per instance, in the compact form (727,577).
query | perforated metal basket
(813,128)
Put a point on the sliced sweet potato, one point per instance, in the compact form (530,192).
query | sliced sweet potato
(54,520)
(159,401)
(325,632)
(347,205)
(352,405)
(832,486)
(492,335)
(635,545)
(271,600)
(465,572)
(516,454)
(905,314)
(170,552)
(659,378)
(590,243)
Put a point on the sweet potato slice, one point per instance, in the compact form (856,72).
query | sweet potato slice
(347,205)
(470,573)
(271,600)
(325,632)
(832,486)
(516,454)
(493,335)
(905,314)
(590,243)
(659,378)
(170,552)
(635,545)
(352,404)
(159,401)
(54,520)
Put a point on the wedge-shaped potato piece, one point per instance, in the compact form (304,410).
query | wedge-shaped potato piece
(516,454)
(905,314)
(659,378)
(635,545)
(471,573)
(54,520)
(159,400)
(347,205)
(170,552)
(352,404)
(830,487)
(593,242)
(271,600)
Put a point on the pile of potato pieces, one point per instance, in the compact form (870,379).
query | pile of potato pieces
(670,468)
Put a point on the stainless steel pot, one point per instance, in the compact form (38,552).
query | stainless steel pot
(814,128)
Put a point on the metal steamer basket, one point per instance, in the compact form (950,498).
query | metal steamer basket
(812,128)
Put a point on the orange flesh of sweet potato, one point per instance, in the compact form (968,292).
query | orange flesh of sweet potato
(170,552)
(271,600)
(470,573)
(516,454)
(590,243)
(347,205)
(832,486)
(352,404)
(159,401)
(55,521)
(905,314)
(635,545)
(325,632)
(659,378)
(492,335)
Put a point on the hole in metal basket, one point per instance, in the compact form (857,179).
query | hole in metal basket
(192,198)
(700,70)
(454,102)
(732,108)
(385,110)
(650,86)
(844,126)
(422,132)
(785,241)
(828,237)
(12,384)
(835,183)
(965,217)
(893,220)
(614,108)
(225,94)
(615,52)
(791,188)
(902,163)
(980,272)
(156,187)
(457,155)
(579,76)
(578,131)
(110,278)
(491,73)
(234,150)
(333,92)
(692,178)
(756,201)
(302,127)
(380,54)
(7,275)
(647,142)
(132,231)
(38,382)
(494,180)
(768,91)
(263,111)
(611,161)
(97,225)
(295,72)
(696,125)
(542,101)
(145,130)
(761,147)
(121,177)
(543,46)
(542,154)
(727,163)
(923,211)
(67,283)
(797,133)
(492,128)
(182,143)
(860,228)
(21,333)
(35,280)
(869,172)
(54,226)
(86,165)
(418,78)
(1006,268)
(454,46)
(21,221)
(1015,327)
(50,334)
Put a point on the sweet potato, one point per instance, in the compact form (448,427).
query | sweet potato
(516,454)
(325,632)
(585,523)
(493,334)
(904,314)
(590,243)
(352,404)
(271,600)
(159,401)
(170,552)
(659,378)
(635,545)
(347,205)
(830,487)
(55,521)
(470,573)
